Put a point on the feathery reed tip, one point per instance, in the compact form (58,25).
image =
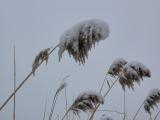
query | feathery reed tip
(42,55)
(80,38)
(116,66)
(152,100)
(86,102)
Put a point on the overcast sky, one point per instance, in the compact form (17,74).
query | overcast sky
(33,25)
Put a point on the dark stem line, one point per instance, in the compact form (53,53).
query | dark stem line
(22,83)
(156,116)
(53,106)
(91,117)
(103,83)
(138,111)
(66,101)
(14,102)
(124,105)
(45,108)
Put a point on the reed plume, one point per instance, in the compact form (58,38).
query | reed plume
(133,72)
(79,39)
(42,55)
(152,100)
(116,66)
(86,102)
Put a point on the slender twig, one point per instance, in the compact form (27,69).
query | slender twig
(55,98)
(113,111)
(66,113)
(53,106)
(91,117)
(66,100)
(138,111)
(124,107)
(45,107)
(14,102)
(22,83)
(103,83)
(156,116)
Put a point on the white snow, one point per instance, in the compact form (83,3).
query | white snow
(154,91)
(139,66)
(87,94)
(116,65)
(98,28)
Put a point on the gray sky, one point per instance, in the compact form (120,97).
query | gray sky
(33,25)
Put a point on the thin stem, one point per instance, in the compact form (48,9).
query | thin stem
(66,113)
(66,100)
(53,106)
(156,116)
(91,117)
(138,111)
(14,102)
(45,107)
(56,97)
(124,107)
(103,83)
(22,83)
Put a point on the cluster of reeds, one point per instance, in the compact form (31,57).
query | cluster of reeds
(78,41)
(128,72)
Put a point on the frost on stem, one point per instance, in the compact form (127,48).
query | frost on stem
(43,55)
(104,117)
(116,66)
(80,38)
(133,72)
(152,100)
(86,102)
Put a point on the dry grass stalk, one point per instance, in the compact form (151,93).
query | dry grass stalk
(42,56)
(107,92)
(14,102)
(152,100)
(133,72)
(156,115)
(138,110)
(22,83)
(45,108)
(62,86)
(79,39)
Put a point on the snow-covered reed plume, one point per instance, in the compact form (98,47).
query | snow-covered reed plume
(80,38)
(86,102)
(133,72)
(42,55)
(104,117)
(116,66)
(152,100)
